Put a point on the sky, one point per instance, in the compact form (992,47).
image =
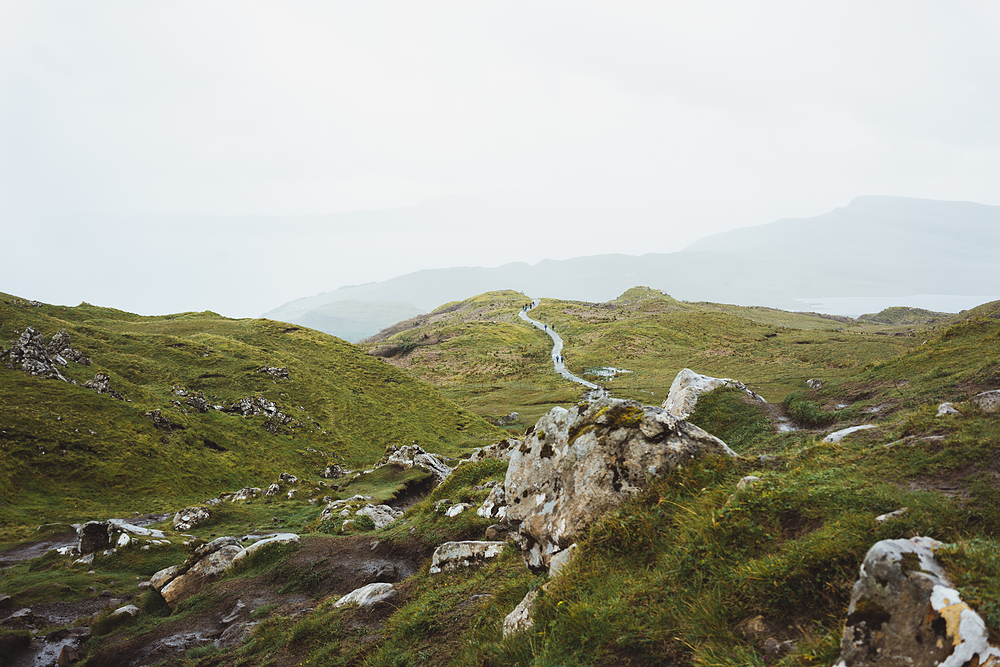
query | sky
(144,145)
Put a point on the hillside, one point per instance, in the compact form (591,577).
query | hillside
(742,558)
(479,354)
(68,450)
(874,246)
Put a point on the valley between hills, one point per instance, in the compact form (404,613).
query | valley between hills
(196,490)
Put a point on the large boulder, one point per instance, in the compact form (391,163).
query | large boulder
(905,611)
(577,464)
(688,386)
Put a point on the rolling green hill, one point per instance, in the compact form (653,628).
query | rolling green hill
(66,450)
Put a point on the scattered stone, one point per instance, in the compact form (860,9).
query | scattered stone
(813,383)
(102,385)
(381,515)
(499,450)
(246,493)
(207,564)
(198,402)
(277,373)
(288,478)
(837,436)
(409,456)
(280,538)
(368,596)
(272,490)
(882,518)
(335,472)
(905,611)
(161,422)
(561,559)
(189,517)
(519,620)
(452,555)
(988,401)
(947,409)
(688,386)
(747,482)
(129,609)
(455,510)
(576,464)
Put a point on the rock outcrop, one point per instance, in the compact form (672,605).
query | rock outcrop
(576,464)
(409,456)
(905,611)
(34,357)
(205,565)
(688,386)
(519,620)
(189,517)
(453,555)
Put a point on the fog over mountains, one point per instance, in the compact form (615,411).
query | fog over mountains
(877,246)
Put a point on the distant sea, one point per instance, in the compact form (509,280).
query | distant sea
(853,306)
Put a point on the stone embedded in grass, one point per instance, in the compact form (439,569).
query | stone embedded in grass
(579,463)
(206,564)
(988,401)
(747,482)
(409,456)
(129,609)
(837,436)
(519,620)
(455,510)
(495,505)
(189,517)
(688,386)
(882,518)
(452,555)
(368,596)
(947,409)
(906,611)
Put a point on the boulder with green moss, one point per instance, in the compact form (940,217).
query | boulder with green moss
(577,464)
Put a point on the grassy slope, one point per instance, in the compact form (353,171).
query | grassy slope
(70,452)
(492,362)
(667,578)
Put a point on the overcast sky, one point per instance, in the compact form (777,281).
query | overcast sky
(656,122)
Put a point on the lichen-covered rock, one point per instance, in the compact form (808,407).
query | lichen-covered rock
(189,517)
(988,401)
(452,555)
(576,464)
(495,505)
(519,620)
(381,515)
(205,565)
(498,450)
(688,386)
(409,456)
(946,409)
(905,611)
(368,596)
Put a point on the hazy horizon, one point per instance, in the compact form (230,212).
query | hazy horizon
(133,136)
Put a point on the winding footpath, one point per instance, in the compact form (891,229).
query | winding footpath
(557,346)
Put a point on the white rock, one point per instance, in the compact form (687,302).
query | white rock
(455,510)
(381,515)
(560,560)
(451,555)
(577,464)
(947,409)
(280,538)
(688,386)
(273,490)
(189,517)
(519,620)
(747,482)
(123,540)
(882,518)
(837,436)
(495,505)
(988,401)
(409,456)
(366,596)
(129,609)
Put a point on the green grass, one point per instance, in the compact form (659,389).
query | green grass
(68,453)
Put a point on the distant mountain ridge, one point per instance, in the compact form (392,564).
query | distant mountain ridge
(875,246)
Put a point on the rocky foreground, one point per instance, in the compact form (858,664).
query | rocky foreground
(573,467)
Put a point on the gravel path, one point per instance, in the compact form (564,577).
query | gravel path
(557,346)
